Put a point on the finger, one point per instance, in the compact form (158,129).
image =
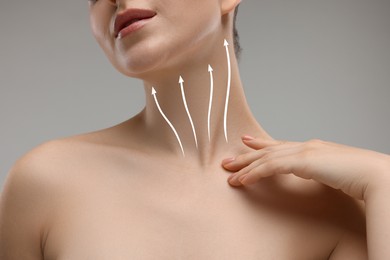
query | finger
(257,143)
(280,165)
(266,156)
(245,162)
(241,161)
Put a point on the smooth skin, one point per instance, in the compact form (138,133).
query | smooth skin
(126,192)
(361,174)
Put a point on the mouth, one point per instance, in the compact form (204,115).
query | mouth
(129,17)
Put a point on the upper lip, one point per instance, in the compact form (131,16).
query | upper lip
(126,17)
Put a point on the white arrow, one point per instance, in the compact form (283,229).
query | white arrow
(188,112)
(211,98)
(166,119)
(226,44)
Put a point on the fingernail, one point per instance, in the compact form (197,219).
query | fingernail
(228,160)
(247,138)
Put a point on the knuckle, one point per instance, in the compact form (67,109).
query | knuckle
(281,142)
(266,157)
(271,165)
(305,153)
(315,144)
(312,144)
(307,150)
(316,141)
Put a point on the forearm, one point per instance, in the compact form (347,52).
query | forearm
(378,220)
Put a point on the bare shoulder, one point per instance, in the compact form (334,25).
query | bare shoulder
(33,188)
(33,170)
(52,161)
(48,165)
(25,204)
(40,164)
(342,215)
(34,174)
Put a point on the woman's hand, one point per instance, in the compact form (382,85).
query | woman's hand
(353,170)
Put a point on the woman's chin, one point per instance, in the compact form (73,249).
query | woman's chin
(144,63)
(145,68)
(134,67)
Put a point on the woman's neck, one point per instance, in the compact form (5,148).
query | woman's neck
(178,116)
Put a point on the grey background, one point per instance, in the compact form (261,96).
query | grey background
(311,69)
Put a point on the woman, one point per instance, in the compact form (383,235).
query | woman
(154,187)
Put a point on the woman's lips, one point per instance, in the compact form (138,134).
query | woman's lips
(131,20)
(132,27)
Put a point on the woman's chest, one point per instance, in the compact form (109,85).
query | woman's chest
(151,217)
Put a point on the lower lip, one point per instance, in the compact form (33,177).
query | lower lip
(132,28)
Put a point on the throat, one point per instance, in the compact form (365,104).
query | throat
(199,109)
(197,118)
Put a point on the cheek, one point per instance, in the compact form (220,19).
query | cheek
(206,25)
(180,28)
(100,21)
(191,21)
